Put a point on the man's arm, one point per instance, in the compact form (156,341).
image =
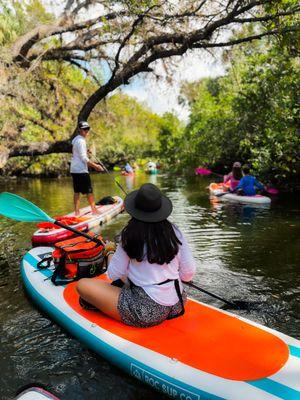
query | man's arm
(97,167)
(82,151)
(258,184)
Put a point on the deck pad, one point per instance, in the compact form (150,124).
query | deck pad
(203,338)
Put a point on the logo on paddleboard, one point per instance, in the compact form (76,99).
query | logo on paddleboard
(162,385)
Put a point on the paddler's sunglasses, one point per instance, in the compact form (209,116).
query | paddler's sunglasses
(85,129)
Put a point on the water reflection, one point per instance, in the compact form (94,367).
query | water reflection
(129,182)
(242,212)
(153,179)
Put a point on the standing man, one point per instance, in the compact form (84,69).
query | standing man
(79,169)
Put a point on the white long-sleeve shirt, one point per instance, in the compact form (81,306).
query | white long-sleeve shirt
(79,156)
(147,275)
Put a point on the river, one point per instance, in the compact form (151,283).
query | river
(242,252)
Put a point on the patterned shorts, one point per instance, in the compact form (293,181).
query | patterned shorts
(136,308)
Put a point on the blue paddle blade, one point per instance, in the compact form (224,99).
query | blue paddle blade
(16,207)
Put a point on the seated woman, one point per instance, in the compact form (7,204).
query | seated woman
(152,259)
(248,184)
(234,176)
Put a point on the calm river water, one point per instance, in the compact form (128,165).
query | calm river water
(242,252)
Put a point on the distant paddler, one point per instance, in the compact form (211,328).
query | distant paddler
(128,170)
(79,169)
(151,167)
(248,185)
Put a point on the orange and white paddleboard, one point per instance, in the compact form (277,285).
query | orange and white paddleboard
(205,354)
(49,236)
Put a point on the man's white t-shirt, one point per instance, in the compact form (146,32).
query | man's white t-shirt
(79,156)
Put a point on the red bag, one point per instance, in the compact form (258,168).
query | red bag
(76,258)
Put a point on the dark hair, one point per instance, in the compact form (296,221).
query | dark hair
(237,173)
(157,239)
(246,169)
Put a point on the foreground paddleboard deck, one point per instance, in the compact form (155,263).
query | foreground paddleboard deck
(106,213)
(206,354)
(216,189)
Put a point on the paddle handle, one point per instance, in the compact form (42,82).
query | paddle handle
(106,170)
(69,228)
(232,305)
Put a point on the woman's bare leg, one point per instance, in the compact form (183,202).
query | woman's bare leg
(100,294)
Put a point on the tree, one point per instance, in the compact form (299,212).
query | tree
(251,114)
(130,37)
(170,137)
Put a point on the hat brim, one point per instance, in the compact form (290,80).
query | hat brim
(154,216)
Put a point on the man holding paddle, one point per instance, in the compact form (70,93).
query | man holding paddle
(79,169)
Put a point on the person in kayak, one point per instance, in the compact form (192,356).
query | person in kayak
(151,166)
(248,184)
(79,169)
(234,176)
(128,168)
(152,258)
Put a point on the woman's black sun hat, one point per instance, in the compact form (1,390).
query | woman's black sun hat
(148,204)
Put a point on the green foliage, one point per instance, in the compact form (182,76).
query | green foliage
(12,22)
(42,105)
(125,130)
(251,114)
(169,138)
(17,17)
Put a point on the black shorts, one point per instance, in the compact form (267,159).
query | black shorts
(82,183)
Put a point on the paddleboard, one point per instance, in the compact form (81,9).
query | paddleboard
(35,393)
(88,221)
(205,354)
(216,189)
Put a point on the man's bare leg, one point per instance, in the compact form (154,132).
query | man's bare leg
(77,203)
(91,201)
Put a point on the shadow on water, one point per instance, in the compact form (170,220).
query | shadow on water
(242,252)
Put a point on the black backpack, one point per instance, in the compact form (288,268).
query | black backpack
(106,200)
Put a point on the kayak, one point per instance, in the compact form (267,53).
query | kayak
(217,189)
(206,354)
(35,393)
(51,234)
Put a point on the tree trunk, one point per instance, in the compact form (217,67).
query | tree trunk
(38,149)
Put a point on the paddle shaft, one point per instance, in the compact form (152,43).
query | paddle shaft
(233,305)
(221,194)
(106,170)
(214,173)
(93,239)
